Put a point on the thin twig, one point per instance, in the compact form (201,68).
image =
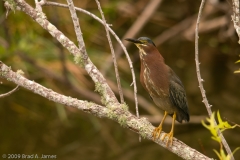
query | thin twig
(77,27)
(115,63)
(139,125)
(112,51)
(200,80)
(10,92)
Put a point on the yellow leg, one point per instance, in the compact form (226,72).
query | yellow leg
(157,131)
(170,134)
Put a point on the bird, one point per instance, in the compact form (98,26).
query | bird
(163,85)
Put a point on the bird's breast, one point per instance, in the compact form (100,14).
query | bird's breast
(154,88)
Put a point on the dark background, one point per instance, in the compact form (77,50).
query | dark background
(31,124)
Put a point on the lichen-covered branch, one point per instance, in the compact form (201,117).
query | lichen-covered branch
(80,55)
(118,113)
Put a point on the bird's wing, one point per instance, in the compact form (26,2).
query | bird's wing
(177,92)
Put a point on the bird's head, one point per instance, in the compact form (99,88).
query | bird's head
(143,43)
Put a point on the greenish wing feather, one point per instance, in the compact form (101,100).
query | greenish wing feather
(177,93)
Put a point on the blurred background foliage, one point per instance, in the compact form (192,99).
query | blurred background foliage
(31,124)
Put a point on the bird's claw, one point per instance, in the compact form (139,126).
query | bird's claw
(170,138)
(156,133)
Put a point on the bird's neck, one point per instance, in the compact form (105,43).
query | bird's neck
(152,56)
(152,62)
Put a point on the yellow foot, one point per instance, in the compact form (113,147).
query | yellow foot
(156,133)
(170,138)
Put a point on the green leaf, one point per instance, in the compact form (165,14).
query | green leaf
(223,125)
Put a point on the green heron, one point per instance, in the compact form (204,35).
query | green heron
(163,85)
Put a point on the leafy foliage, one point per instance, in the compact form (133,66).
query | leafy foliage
(214,128)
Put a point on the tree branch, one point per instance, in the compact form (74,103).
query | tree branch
(77,27)
(80,55)
(118,113)
(200,80)
(113,55)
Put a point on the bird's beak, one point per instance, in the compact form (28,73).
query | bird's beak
(136,41)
